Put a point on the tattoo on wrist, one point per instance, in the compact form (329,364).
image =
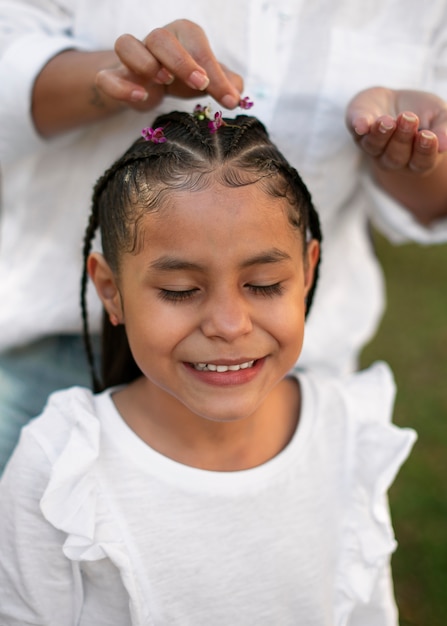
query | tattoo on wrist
(96,99)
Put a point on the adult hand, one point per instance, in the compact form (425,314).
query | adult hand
(404,134)
(400,130)
(175,60)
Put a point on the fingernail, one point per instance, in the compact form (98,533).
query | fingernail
(139,96)
(408,120)
(198,80)
(426,138)
(360,130)
(361,126)
(229,101)
(385,127)
(409,117)
(164,77)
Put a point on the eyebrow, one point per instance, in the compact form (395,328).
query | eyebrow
(264,258)
(171,263)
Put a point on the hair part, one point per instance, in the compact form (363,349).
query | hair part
(240,153)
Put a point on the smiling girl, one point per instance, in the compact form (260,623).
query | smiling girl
(209,481)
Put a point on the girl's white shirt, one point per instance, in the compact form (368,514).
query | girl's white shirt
(301,61)
(99,529)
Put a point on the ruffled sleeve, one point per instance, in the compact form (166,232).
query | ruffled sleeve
(74,502)
(376,451)
(71,497)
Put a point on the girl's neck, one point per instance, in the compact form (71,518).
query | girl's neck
(206,444)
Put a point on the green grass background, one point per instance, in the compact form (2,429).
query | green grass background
(412,338)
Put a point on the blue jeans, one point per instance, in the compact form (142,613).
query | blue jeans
(29,374)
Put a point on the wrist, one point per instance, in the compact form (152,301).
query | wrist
(65,94)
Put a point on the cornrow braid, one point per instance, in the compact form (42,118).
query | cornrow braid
(183,123)
(92,227)
(88,239)
(239,153)
(249,124)
(315,233)
(307,220)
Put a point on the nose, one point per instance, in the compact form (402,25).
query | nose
(227,316)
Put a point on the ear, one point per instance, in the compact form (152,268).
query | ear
(311,260)
(106,286)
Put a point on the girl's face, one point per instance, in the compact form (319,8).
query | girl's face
(214,300)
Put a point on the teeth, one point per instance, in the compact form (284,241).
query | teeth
(211,367)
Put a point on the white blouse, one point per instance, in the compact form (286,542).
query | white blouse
(99,529)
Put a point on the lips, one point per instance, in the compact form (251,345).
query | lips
(213,367)
(226,373)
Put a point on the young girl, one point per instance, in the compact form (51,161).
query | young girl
(211,483)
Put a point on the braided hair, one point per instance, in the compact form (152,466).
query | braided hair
(240,153)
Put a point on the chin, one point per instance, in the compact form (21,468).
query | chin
(229,415)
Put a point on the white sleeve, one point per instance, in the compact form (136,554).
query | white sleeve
(398,224)
(378,449)
(38,584)
(381,609)
(31,33)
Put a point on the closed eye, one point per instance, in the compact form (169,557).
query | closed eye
(170,295)
(269,291)
(266,290)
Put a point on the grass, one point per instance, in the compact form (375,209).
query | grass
(412,338)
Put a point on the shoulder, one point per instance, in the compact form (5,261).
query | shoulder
(362,451)
(67,425)
(55,463)
(350,421)
(367,395)
(64,411)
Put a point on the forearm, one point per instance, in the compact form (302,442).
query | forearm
(424,195)
(65,96)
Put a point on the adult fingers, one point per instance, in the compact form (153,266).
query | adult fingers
(425,152)
(177,57)
(366,107)
(141,71)
(400,145)
(140,62)
(406,146)
(438,125)
(183,49)
(398,151)
(122,86)
(375,140)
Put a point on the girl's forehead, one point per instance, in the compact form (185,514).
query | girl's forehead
(218,222)
(220,207)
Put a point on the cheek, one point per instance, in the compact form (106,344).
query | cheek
(154,329)
(287,322)
(294,329)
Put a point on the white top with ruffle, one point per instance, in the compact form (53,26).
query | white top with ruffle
(99,529)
